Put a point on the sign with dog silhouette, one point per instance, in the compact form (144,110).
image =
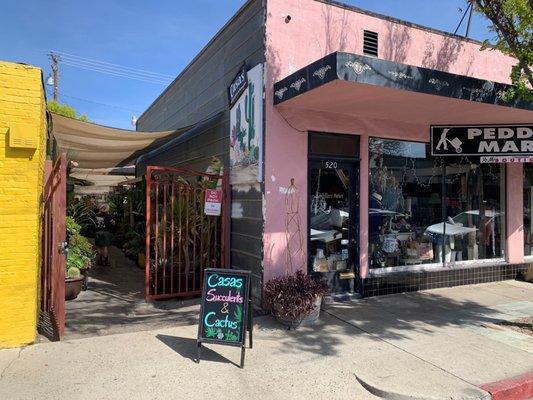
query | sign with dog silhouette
(482,140)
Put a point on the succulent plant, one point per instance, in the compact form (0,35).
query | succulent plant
(73,273)
(291,296)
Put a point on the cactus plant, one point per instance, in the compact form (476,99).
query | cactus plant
(73,273)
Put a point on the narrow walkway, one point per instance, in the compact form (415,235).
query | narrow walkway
(114,303)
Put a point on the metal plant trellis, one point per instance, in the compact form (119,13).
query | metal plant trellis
(181,241)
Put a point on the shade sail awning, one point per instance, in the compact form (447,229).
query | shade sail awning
(348,93)
(95,146)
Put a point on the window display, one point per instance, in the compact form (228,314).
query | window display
(408,201)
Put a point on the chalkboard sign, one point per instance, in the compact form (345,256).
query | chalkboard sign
(224,313)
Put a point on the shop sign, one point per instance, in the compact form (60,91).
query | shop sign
(482,140)
(246,132)
(213,202)
(224,311)
(238,85)
(506,159)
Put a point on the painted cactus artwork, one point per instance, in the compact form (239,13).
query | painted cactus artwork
(246,131)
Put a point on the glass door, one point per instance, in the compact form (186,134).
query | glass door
(333,222)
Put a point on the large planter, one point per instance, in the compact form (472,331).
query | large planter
(307,319)
(73,287)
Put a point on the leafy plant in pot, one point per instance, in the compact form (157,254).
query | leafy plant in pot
(295,299)
(80,258)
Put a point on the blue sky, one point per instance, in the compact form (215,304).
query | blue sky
(155,35)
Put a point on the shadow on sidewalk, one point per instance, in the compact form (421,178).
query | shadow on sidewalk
(400,317)
(187,348)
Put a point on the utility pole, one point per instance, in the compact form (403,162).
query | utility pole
(55,69)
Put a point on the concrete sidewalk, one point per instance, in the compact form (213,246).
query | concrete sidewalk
(438,344)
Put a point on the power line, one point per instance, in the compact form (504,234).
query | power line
(99,103)
(114,73)
(113,66)
(112,69)
(87,65)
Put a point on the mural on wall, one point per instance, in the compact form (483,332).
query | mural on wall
(246,132)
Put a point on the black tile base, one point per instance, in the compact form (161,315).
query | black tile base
(412,281)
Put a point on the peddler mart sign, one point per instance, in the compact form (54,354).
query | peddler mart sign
(482,140)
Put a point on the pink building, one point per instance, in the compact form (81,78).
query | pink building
(338,178)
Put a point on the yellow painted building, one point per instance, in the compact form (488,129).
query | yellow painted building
(22,156)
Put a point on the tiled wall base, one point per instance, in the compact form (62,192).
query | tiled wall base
(422,280)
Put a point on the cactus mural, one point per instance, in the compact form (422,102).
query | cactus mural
(249,112)
(246,130)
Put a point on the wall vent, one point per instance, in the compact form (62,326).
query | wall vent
(370,43)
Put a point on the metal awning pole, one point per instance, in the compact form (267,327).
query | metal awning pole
(443,213)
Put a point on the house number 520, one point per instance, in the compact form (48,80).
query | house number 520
(331,164)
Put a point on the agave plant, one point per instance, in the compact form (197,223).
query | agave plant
(83,214)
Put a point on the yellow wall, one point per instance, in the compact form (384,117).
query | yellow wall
(22,104)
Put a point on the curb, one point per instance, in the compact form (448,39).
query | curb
(518,388)
(389,395)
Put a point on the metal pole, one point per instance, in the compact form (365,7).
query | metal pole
(55,69)
(469,18)
(443,213)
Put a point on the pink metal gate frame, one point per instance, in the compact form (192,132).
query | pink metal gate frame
(181,241)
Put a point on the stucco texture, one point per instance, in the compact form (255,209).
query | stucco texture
(314,30)
(22,109)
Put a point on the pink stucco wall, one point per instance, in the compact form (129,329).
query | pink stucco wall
(315,30)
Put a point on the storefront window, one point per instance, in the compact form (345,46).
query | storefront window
(528,209)
(475,205)
(408,204)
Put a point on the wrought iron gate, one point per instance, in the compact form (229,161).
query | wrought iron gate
(52,307)
(181,241)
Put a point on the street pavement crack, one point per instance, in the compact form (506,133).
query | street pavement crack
(2,374)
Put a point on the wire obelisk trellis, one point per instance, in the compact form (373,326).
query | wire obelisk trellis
(293,234)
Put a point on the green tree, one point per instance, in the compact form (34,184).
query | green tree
(512,22)
(65,110)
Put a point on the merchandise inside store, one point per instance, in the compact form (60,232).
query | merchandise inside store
(424,212)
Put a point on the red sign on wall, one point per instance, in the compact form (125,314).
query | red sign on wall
(213,202)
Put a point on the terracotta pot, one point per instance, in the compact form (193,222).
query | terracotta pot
(307,319)
(73,287)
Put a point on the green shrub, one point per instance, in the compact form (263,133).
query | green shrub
(73,228)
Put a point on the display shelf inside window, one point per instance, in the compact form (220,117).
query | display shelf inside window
(406,224)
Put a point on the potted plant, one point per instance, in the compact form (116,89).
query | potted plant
(80,258)
(80,247)
(134,248)
(73,279)
(295,299)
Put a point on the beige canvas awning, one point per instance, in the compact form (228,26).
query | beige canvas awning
(95,146)
(101,156)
